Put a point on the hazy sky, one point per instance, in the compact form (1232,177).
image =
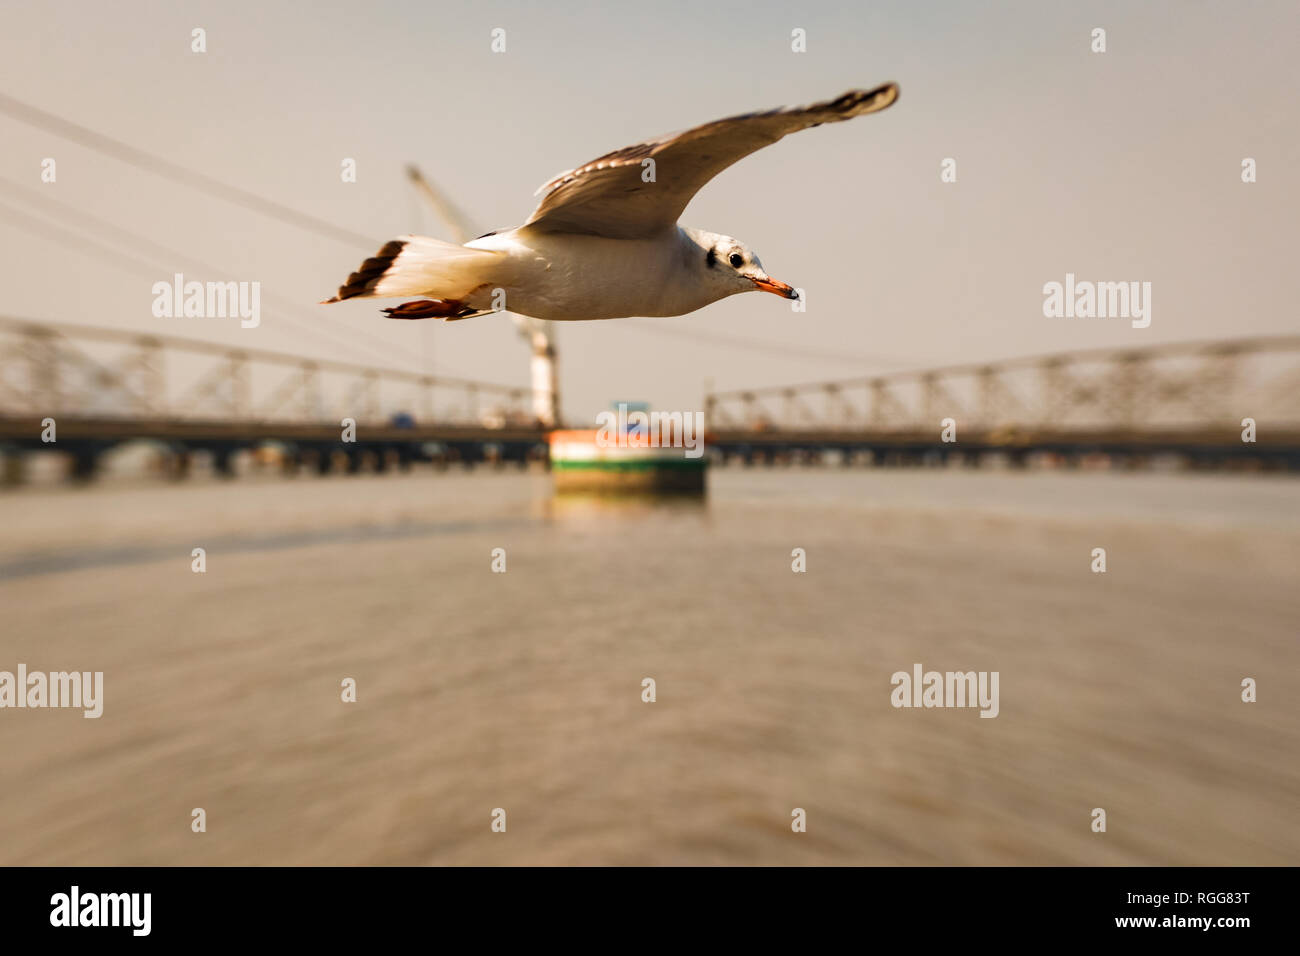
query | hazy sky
(1117,166)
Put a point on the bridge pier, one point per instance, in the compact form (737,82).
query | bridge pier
(221,462)
(84,465)
(177,464)
(13,468)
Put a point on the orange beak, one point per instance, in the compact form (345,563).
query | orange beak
(768,284)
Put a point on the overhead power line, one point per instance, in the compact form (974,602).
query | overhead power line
(168,254)
(109,146)
(15,216)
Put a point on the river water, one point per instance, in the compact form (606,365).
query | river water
(523,690)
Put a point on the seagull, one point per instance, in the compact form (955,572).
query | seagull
(604,241)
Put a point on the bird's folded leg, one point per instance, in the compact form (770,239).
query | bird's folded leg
(427,309)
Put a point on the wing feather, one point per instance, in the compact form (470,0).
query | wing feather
(609,197)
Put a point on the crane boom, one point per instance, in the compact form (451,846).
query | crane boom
(538,333)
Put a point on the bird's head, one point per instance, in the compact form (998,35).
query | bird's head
(731,267)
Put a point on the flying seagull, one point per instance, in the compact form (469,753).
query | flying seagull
(604,242)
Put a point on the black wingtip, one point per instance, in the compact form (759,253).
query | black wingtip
(370,271)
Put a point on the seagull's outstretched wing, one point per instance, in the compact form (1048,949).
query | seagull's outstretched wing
(610,196)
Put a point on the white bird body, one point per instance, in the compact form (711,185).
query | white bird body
(563,277)
(604,242)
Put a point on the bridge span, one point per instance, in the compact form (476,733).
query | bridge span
(85,390)
(1209,403)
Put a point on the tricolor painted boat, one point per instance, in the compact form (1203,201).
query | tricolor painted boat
(618,458)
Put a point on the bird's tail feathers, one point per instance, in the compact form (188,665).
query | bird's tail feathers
(418,265)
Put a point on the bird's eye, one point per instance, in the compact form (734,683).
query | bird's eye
(736,260)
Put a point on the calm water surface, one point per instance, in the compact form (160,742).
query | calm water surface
(522,690)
